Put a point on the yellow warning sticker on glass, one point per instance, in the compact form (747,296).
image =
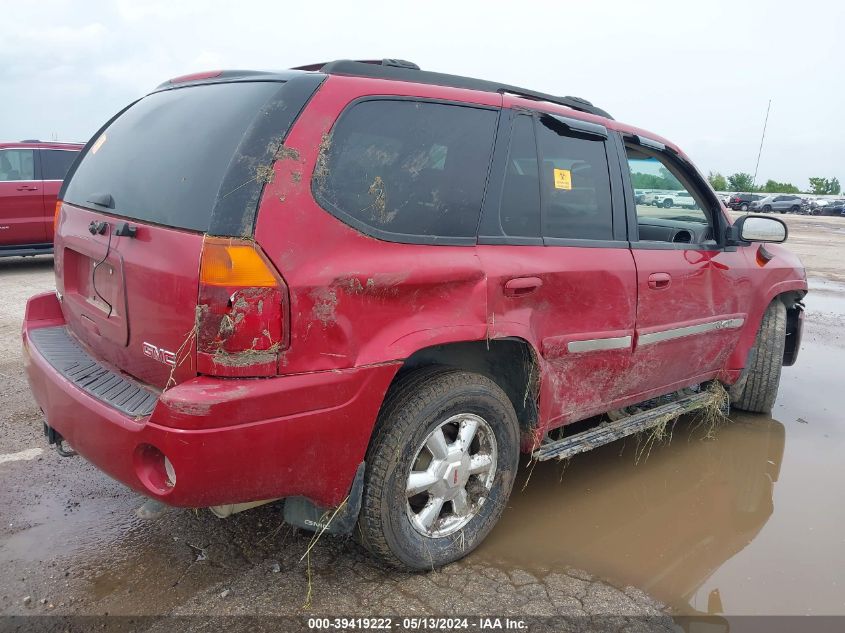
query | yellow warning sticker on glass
(563,179)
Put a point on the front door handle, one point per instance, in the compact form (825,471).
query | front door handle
(659,281)
(522,286)
(27,188)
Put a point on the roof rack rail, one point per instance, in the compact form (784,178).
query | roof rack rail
(394,63)
(30,140)
(401,70)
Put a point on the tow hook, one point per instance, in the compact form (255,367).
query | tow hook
(55,439)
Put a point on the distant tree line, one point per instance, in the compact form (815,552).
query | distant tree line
(663,180)
(745,182)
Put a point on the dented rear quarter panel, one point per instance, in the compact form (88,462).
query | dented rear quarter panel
(356,300)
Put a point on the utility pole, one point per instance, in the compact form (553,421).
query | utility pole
(760,151)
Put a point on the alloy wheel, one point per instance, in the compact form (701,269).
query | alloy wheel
(451,475)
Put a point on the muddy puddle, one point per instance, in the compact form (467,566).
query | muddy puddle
(826,300)
(749,522)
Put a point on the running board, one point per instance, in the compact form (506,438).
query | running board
(609,432)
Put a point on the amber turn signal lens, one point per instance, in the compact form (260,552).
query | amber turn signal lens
(56,215)
(229,262)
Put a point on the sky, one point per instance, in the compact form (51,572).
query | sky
(698,73)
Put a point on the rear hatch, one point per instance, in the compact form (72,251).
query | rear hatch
(183,163)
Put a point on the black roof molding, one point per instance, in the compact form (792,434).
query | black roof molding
(401,70)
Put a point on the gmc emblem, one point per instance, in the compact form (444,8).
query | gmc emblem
(159,354)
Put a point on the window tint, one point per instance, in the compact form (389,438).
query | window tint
(17,164)
(55,163)
(520,207)
(670,203)
(575,184)
(165,158)
(407,167)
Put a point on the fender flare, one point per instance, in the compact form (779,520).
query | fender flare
(739,357)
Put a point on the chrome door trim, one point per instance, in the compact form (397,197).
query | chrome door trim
(667,335)
(596,344)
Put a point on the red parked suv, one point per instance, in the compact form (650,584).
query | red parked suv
(365,288)
(31,173)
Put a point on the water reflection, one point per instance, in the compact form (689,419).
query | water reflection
(664,524)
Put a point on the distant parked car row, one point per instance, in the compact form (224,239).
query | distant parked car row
(780,203)
(31,173)
(665,199)
(826,206)
(783,203)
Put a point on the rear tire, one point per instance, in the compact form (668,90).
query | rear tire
(423,409)
(757,390)
(743,207)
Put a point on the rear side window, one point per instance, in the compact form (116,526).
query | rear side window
(575,183)
(55,163)
(519,213)
(17,164)
(177,156)
(408,170)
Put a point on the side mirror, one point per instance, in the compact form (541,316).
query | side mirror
(756,228)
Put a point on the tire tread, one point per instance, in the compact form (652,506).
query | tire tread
(761,384)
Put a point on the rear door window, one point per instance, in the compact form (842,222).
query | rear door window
(575,183)
(407,170)
(55,163)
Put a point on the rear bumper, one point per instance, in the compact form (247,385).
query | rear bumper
(229,440)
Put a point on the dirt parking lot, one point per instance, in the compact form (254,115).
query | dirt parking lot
(744,521)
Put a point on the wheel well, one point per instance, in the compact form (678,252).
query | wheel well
(511,363)
(794,307)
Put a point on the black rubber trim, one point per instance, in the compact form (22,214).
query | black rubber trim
(67,357)
(26,250)
(353,68)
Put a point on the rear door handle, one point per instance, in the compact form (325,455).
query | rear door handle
(27,188)
(659,281)
(522,286)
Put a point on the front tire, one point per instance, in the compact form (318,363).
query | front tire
(743,207)
(440,468)
(757,390)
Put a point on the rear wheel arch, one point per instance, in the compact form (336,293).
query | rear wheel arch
(512,363)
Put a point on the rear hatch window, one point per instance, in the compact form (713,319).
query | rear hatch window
(175,165)
(193,158)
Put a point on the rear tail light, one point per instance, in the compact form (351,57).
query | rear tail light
(242,310)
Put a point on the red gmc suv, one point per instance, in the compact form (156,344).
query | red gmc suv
(364,288)
(31,173)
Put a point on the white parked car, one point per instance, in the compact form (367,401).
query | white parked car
(652,197)
(681,199)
